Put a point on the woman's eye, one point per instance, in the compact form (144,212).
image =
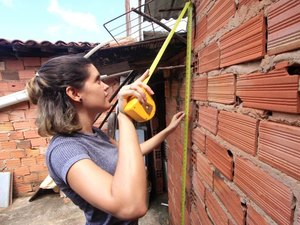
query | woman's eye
(98,79)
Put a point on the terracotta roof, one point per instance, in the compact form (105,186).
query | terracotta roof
(33,48)
(110,58)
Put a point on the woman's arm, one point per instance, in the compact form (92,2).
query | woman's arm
(150,144)
(124,194)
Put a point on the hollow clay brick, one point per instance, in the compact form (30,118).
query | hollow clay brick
(245,43)
(275,198)
(279,147)
(283,26)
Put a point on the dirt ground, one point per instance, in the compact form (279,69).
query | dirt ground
(51,209)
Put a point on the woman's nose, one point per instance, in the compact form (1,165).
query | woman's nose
(105,86)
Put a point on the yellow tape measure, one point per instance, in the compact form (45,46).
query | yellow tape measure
(134,109)
(186,110)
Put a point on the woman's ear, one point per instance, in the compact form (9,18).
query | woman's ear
(73,94)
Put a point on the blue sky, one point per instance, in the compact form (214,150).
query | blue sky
(53,20)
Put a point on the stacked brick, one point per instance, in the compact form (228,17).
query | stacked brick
(158,184)
(244,158)
(21,148)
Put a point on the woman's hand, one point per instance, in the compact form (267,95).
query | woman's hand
(175,121)
(136,89)
(157,139)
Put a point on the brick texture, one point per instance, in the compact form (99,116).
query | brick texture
(270,194)
(199,89)
(198,187)
(239,130)
(279,147)
(205,170)
(220,158)
(221,89)
(254,218)
(230,199)
(283,27)
(32,61)
(208,118)
(200,6)
(276,91)
(216,212)
(18,130)
(245,43)
(246,2)
(14,65)
(209,58)
(198,139)
(219,15)
(200,210)
(26,74)
(200,32)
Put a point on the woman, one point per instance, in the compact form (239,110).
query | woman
(106,179)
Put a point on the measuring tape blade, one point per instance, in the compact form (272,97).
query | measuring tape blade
(187,107)
(166,43)
(134,109)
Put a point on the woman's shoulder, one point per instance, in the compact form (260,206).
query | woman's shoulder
(61,139)
(64,142)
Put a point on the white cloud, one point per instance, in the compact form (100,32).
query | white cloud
(54,29)
(84,21)
(8,3)
(54,33)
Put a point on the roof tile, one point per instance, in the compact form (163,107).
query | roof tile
(29,47)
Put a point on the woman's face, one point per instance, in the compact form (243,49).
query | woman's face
(94,93)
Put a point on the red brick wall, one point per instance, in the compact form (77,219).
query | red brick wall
(244,154)
(22,150)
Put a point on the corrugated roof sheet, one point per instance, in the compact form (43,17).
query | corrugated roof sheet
(165,9)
